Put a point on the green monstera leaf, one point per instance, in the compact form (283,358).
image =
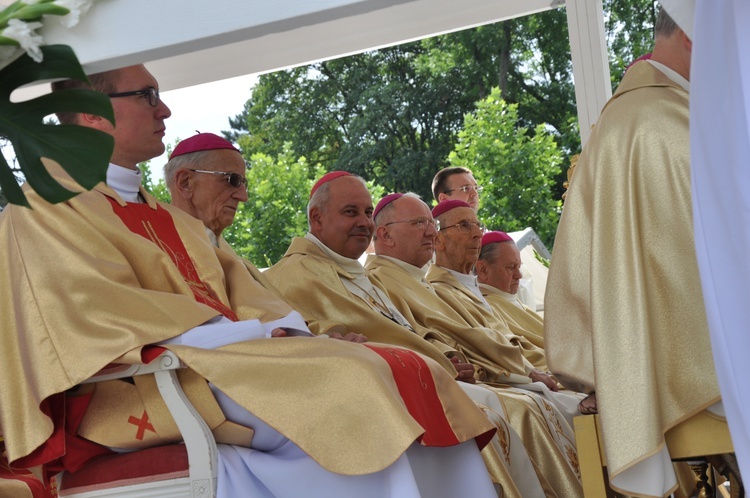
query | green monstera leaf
(83,152)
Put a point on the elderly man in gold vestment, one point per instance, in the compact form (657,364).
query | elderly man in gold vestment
(457,247)
(321,276)
(498,271)
(624,313)
(112,275)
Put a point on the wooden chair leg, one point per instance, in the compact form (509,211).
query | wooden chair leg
(593,477)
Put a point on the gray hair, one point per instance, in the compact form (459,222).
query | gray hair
(322,195)
(385,215)
(191,160)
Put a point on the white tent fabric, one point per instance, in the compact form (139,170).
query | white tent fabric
(720,148)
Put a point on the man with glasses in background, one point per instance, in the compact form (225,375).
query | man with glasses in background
(456,183)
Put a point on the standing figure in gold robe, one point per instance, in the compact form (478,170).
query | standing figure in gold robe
(321,276)
(113,275)
(624,313)
(498,271)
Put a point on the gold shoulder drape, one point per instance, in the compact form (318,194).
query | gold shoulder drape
(474,312)
(311,282)
(521,321)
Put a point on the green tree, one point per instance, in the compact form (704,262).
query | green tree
(394,114)
(157,189)
(276,207)
(516,167)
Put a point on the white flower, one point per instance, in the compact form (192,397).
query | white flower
(76,8)
(23,33)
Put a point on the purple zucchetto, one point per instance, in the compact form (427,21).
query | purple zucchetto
(385,201)
(328,177)
(446,206)
(492,237)
(201,142)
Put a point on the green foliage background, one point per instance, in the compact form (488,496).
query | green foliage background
(515,165)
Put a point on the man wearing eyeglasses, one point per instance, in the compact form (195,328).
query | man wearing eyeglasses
(205,176)
(456,183)
(112,274)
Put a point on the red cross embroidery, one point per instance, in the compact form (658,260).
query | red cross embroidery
(143,425)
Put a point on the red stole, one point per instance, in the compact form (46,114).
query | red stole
(417,388)
(157,226)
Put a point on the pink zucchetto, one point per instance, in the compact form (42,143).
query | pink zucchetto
(200,142)
(446,206)
(492,237)
(327,178)
(385,201)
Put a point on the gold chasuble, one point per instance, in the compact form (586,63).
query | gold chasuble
(521,319)
(85,288)
(624,313)
(496,360)
(311,282)
(473,310)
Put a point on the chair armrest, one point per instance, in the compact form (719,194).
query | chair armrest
(199,441)
(166,361)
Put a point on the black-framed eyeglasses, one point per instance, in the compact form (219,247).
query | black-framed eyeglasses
(420,223)
(234,179)
(151,94)
(466,189)
(465,226)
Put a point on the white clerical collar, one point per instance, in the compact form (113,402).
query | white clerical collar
(671,74)
(361,286)
(471,283)
(352,266)
(125,182)
(418,273)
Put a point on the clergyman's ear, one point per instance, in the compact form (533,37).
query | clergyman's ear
(384,236)
(481,267)
(315,219)
(183,183)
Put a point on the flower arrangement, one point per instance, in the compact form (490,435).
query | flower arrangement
(24,59)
